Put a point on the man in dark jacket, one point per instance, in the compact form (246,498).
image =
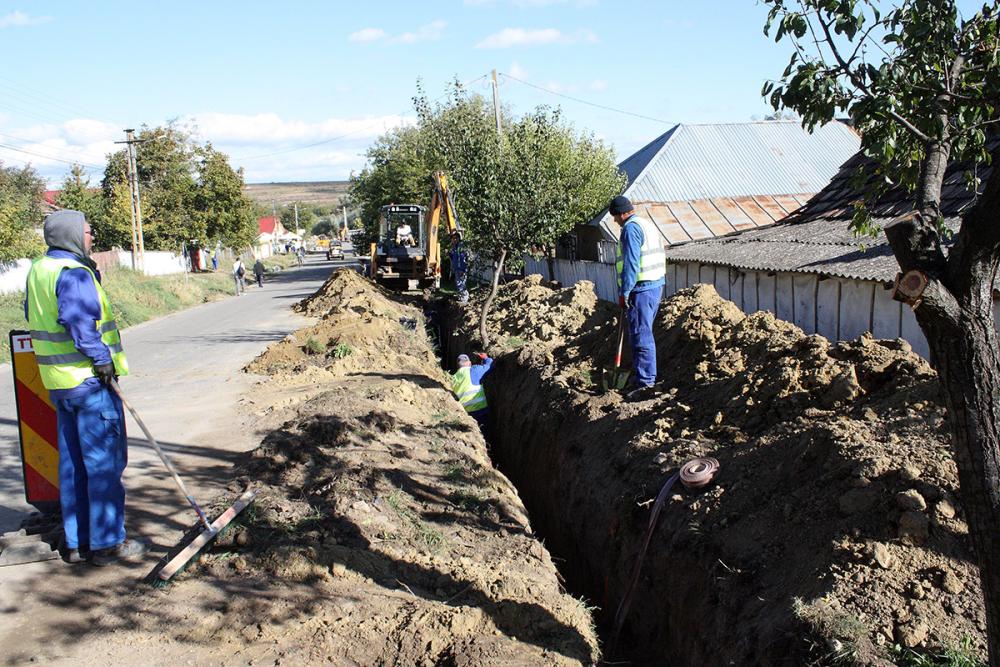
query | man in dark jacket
(258,272)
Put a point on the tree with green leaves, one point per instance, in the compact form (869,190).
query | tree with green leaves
(21,196)
(189,192)
(305,214)
(922,85)
(78,195)
(516,190)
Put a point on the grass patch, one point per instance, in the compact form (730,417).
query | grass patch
(432,538)
(962,655)
(342,350)
(313,346)
(515,342)
(134,297)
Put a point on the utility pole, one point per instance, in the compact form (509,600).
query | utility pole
(343,236)
(297,219)
(138,242)
(496,102)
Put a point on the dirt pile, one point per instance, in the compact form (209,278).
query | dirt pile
(382,534)
(361,329)
(832,532)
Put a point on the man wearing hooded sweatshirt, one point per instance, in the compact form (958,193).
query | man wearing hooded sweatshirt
(79,352)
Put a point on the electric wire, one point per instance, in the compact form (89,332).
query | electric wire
(49,157)
(362,128)
(587,102)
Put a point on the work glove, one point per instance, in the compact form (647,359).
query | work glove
(482,356)
(104,372)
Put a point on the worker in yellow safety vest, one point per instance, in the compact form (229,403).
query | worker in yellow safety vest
(466,384)
(641,268)
(79,352)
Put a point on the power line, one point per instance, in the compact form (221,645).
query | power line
(49,157)
(342,136)
(587,102)
(70,149)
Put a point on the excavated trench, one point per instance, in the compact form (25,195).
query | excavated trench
(806,549)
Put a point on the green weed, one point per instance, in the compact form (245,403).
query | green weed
(432,538)
(962,655)
(515,342)
(342,350)
(313,346)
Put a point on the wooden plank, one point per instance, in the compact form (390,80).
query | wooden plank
(805,285)
(766,292)
(827,312)
(750,292)
(706,274)
(689,220)
(206,536)
(711,217)
(887,315)
(855,308)
(721,282)
(785,297)
(736,290)
(758,215)
(733,213)
(913,334)
(667,223)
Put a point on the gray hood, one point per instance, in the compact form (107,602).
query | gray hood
(64,230)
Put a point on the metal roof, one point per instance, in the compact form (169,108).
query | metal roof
(818,238)
(695,162)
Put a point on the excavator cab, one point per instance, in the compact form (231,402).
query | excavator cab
(408,253)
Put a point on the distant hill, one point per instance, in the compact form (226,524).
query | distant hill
(325,193)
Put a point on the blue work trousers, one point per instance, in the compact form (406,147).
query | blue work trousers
(92,457)
(641,313)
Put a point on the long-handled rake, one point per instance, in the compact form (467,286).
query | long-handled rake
(212,529)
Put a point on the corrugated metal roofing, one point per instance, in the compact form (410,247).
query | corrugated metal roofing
(694,162)
(818,238)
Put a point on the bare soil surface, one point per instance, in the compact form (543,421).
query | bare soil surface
(833,532)
(382,534)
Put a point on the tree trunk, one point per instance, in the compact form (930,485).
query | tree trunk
(497,271)
(967,359)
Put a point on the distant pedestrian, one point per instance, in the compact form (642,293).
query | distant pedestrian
(239,271)
(258,272)
(466,384)
(459,266)
(641,267)
(215,259)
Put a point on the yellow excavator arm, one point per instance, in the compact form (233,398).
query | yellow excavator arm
(442,206)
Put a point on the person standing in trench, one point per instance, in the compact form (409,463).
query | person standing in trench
(641,269)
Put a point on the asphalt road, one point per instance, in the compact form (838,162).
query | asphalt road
(186,381)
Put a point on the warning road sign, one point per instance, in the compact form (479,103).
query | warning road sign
(36,417)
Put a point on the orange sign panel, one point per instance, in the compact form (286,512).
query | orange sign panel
(36,421)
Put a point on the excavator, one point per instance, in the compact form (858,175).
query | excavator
(407,255)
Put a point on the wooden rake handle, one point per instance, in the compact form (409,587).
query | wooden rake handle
(163,456)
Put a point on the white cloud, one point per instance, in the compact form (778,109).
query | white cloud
(424,33)
(510,37)
(271,129)
(366,35)
(243,137)
(431,31)
(17,19)
(518,72)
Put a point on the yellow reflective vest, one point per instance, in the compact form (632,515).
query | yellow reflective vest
(60,364)
(471,396)
(652,259)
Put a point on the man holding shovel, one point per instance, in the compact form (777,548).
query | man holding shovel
(641,267)
(79,353)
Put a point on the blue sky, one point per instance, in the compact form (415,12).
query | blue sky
(259,78)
